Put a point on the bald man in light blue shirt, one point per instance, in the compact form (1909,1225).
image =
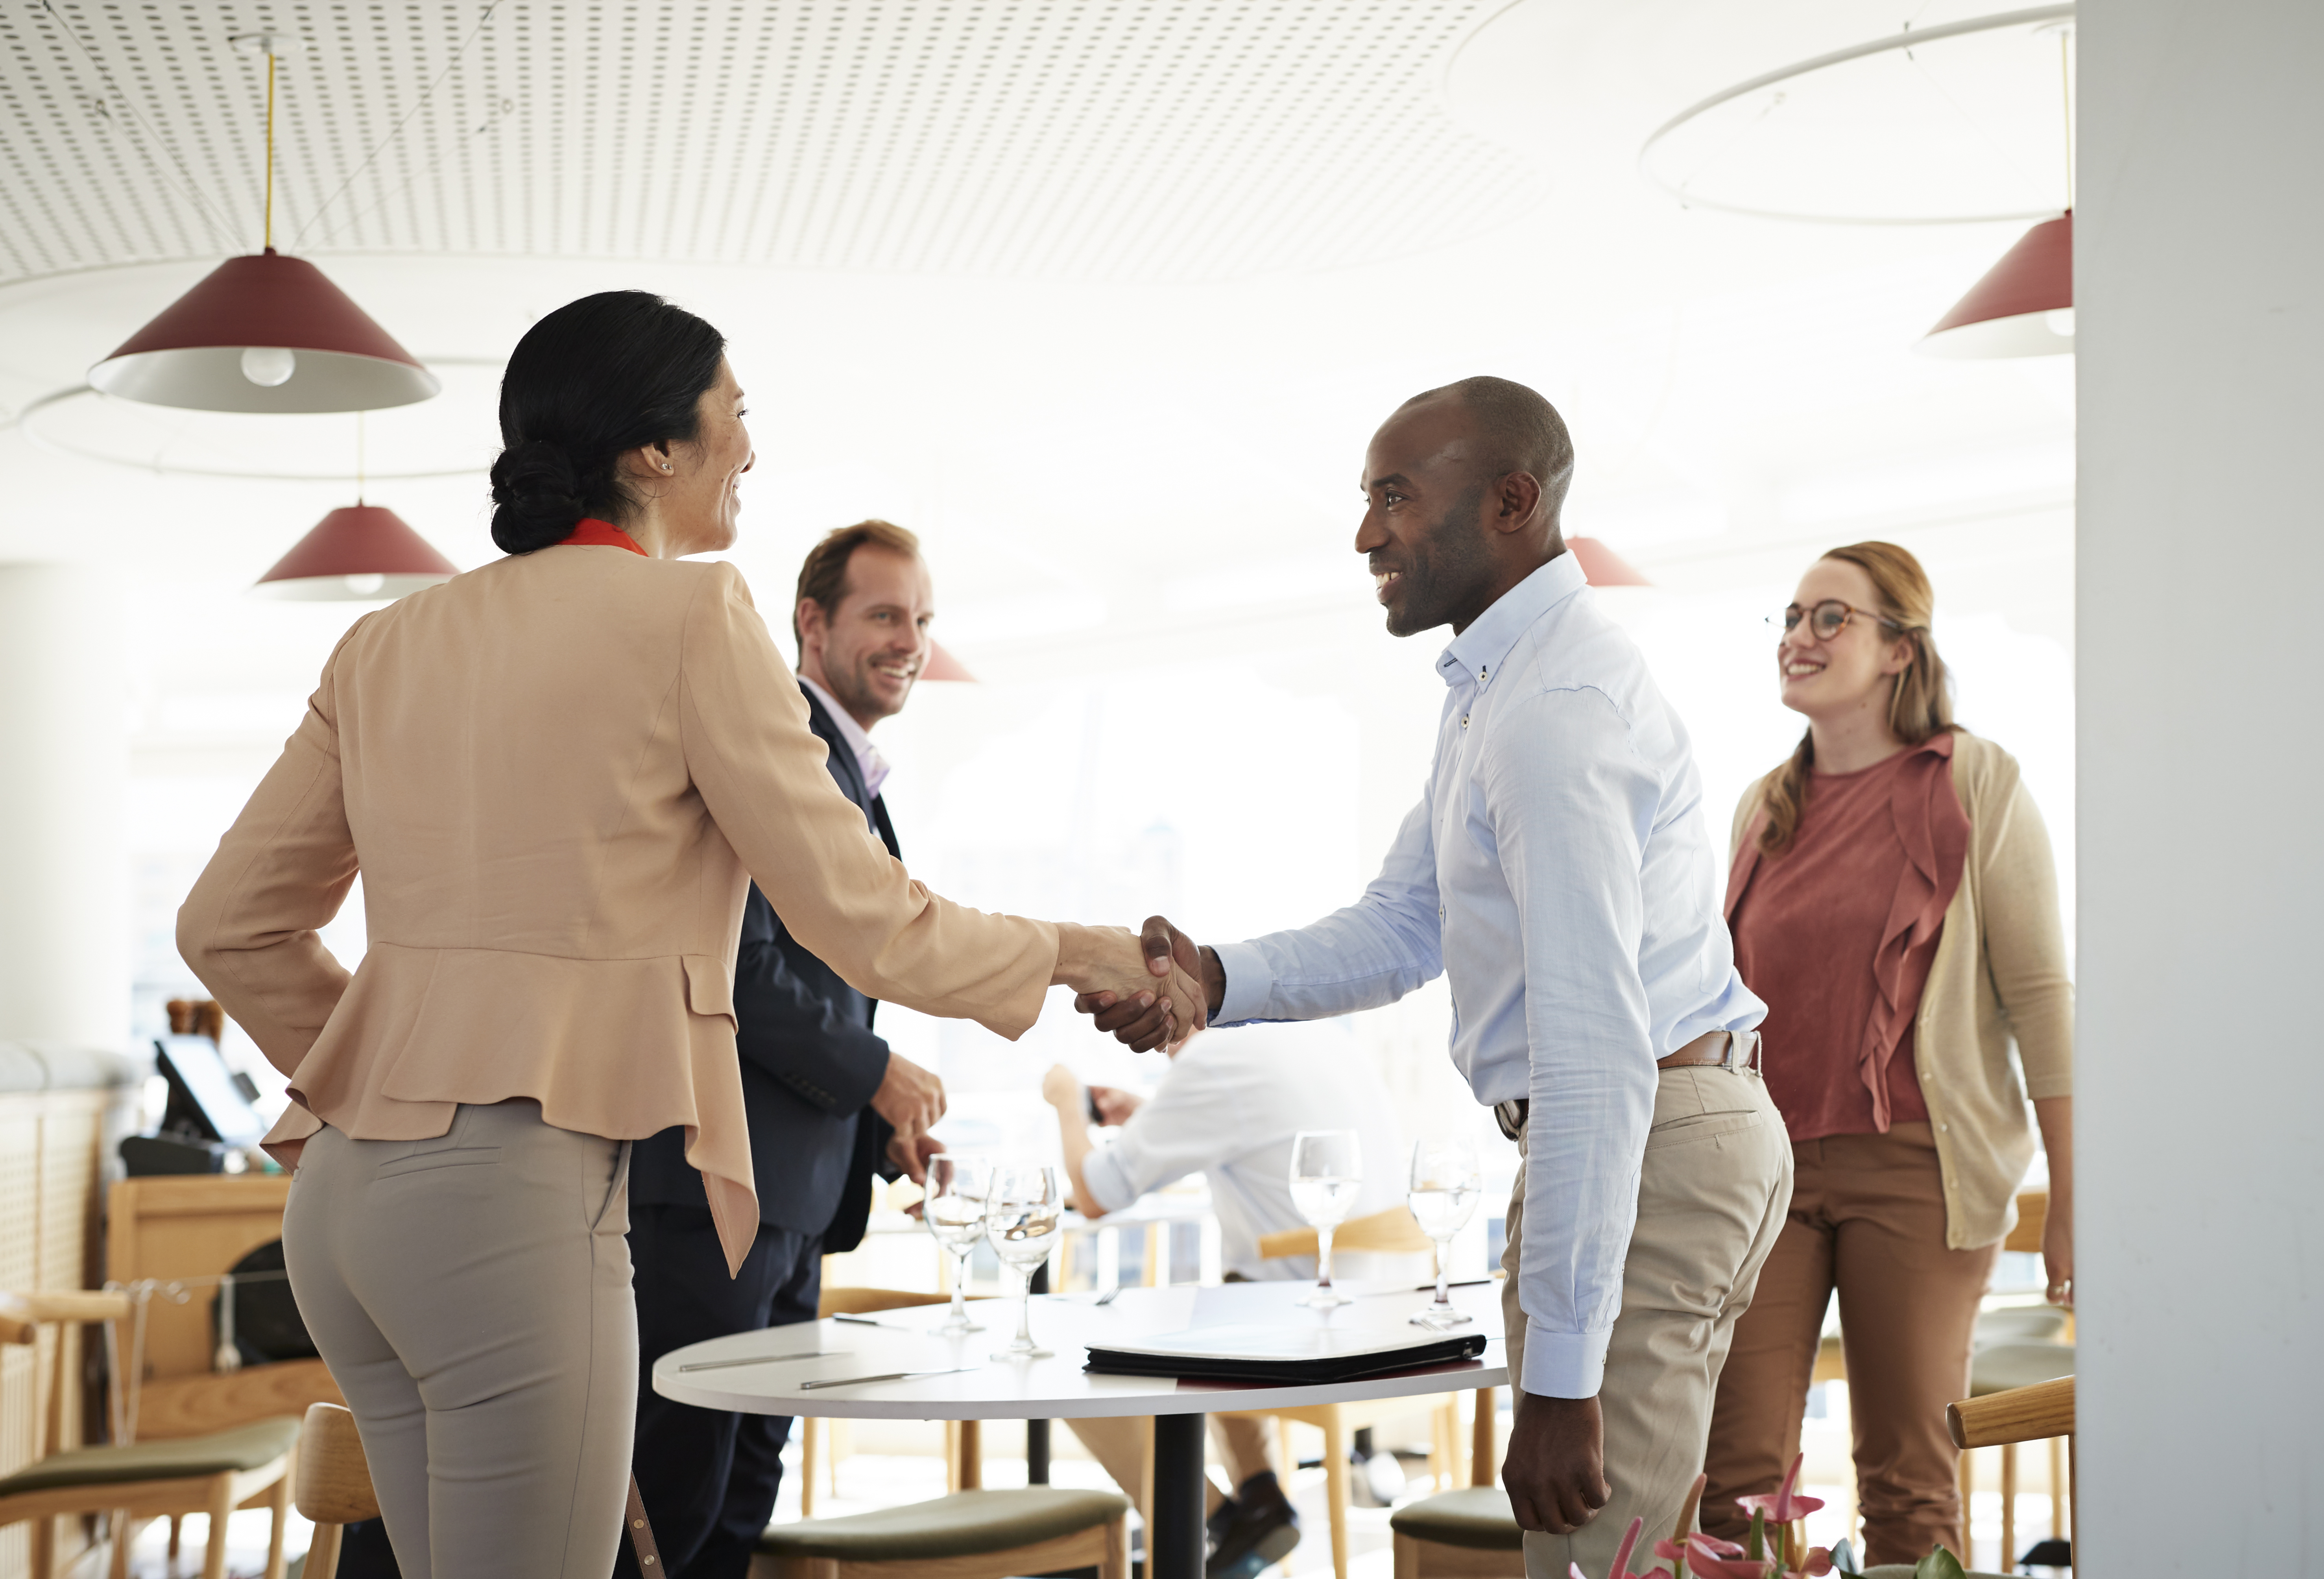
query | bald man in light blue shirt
(1560,872)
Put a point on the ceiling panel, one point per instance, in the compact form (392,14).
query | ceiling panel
(1141,139)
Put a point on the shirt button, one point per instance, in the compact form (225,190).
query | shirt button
(1464,721)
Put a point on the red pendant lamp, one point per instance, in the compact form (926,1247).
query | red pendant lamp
(2025,305)
(1601,566)
(943,666)
(357,553)
(264,333)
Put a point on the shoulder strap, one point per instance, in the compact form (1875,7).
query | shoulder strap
(642,1537)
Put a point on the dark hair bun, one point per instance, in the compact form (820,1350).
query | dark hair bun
(536,496)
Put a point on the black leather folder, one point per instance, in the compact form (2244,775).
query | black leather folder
(1288,1355)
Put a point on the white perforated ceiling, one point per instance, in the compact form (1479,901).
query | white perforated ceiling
(1130,140)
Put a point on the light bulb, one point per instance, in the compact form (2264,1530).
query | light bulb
(2059,321)
(268,366)
(366,585)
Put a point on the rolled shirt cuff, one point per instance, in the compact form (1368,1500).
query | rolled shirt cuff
(1248,983)
(1565,1364)
(1108,1190)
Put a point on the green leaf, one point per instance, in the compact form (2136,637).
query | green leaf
(1755,1546)
(1843,1558)
(1939,1563)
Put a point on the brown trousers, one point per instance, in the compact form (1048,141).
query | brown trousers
(1124,1446)
(1710,1205)
(1867,1218)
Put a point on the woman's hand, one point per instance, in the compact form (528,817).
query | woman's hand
(2058,1249)
(1061,1089)
(1110,961)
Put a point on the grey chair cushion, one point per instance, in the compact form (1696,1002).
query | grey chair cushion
(246,1447)
(1478,1517)
(2006,1365)
(965,1524)
(2020,1323)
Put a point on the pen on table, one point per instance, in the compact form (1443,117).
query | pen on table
(890,1326)
(760,1360)
(1455,1283)
(883,1376)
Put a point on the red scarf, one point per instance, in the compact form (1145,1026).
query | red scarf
(594,533)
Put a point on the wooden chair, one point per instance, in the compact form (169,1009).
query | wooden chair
(969,1535)
(248,1466)
(2016,1347)
(1390,1232)
(2041,1411)
(334,1488)
(820,1450)
(1467,1534)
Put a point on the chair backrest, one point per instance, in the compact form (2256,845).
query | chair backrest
(22,1318)
(333,1485)
(2023,1414)
(1390,1232)
(865,1301)
(2033,1211)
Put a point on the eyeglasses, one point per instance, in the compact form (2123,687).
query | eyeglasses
(1829,618)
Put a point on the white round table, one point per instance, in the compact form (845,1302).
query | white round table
(996,1388)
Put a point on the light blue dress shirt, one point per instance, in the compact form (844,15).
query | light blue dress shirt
(1560,873)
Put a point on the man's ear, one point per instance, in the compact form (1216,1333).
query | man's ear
(1518,496)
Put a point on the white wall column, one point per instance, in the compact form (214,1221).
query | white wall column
(64,758)
(2199,288)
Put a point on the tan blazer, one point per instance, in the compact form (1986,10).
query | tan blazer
(1998,981)
(554,774)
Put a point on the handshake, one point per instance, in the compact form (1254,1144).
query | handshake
(1152,989)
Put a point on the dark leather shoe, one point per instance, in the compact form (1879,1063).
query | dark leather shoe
(1260,1526)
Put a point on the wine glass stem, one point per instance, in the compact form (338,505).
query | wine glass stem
(1025,1307)
(1322,1258)
(1444,1289)
(960,1289)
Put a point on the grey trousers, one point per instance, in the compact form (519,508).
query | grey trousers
(1711,1197)
(471,1295)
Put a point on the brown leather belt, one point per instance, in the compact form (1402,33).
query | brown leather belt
(1714,1049)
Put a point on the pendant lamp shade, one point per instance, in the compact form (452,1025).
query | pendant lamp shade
(264,333)
(1601,566)
(2025,305)
(942,665)
(360,553)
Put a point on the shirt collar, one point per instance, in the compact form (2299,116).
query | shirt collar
(594,533)
(1476,652)
(867,760)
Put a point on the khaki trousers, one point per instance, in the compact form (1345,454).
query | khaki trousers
(1712,1195)
(1123,1445)
(1867,1218)
(471,1295)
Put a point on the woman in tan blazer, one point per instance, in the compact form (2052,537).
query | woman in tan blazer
(557,775)
(1893,900)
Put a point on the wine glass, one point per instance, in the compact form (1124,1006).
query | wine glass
(1327,1170)
(1024,1212)
(1445,1184)
(954,1210)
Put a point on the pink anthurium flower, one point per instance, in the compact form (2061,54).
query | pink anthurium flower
(1818,1563)
(1622,1569)
(1785,1505)
(1709,1558)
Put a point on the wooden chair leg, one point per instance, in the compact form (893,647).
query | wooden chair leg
(2008,1564)
(1408,1554)
(277,1564)
(43,1565)
(1335,1485)
(322,1553)
(177,1526)
(118,1520)
(2074,1495)
(221,1514)
(1482,1438)
(1115,1563)
(2057,1488)
(810,1440)
(1967,1470)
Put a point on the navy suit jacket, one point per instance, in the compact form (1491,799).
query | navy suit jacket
(810,1065)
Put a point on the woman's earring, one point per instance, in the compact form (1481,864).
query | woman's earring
(665,466)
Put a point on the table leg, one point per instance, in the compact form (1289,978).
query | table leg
(1037,1453)
(1174,1541)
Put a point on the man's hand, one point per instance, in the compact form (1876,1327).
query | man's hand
(1061,1088)
(1556,1470)
(910,1152)
(910,1098)
(1108,967)
(1140,1026)
(1114,1106)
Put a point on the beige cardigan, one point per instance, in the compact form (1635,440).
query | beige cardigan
(1999,975)
(557,775)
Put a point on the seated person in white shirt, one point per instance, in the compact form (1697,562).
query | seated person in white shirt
(1229,1110)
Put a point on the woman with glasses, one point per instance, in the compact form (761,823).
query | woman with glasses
(1893,900)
